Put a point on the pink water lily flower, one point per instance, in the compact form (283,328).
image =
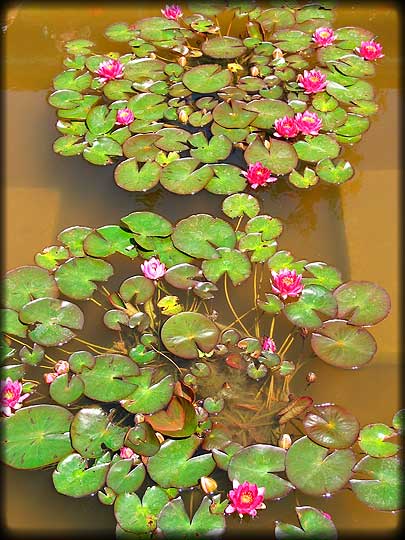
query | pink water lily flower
(258,175)
(370,50)
(312,81)
(286,127)
(153,268)
(323,36)
(308,123)
(287,283)
(268,344)
(172,12)
(110,70)
(61,367)
(11,396)
(245,499)
(126,453)
(50,377)
(124,117)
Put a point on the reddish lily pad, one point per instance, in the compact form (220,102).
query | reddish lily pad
(363,303)
(342,345)
(331,426)
(223,47)
(137,289)
(177,421)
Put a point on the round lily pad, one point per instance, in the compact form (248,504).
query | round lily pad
(148,397)
(66,391)
(114,318)
(11,324)
(315,472)
(122,477)
(183,275)
(140,518)
(223,47)
(372,440)
(342,345)
(334,174)
(207,79)
(331,426)
(36,436)
(26,283)
(314,300)
(110,239)
(227,179)
(148,224)
(268,111)
(75,278)
(141,146)
(256,464)
(130,176)
(73,476)
(184,334)
(233,115)
(316,148)
(177,421)
(73,239)
(363,303)
(137,289)
(240,204)
(327,276)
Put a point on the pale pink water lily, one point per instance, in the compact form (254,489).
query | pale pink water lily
(50,377)
(124,117)
(323,36)
(268,344)
(312,81)
(245,499)
(126,453)
(11,396)
(370,50)
(308,123)
(286,127)
(61,367)
(110,70)
(286,283)
(153,268)
(173,12)
(258,175)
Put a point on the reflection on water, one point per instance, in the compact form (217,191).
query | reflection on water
(46,193)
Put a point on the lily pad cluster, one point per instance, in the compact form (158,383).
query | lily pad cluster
(139,409)
(203,103)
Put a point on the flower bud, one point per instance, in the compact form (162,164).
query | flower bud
(277,54)
(152,55)
(126,453)
(182,61)
(267,144)
(254,71)
(61,367)
(285,441)
(139,418)
(183,117)
(160,437)
(311,377)
(50,377)
(208,485)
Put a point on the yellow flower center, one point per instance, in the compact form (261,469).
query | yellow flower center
(370,48)
(314,78)
(8,394)
(288,281)
(324,34)
(247,498)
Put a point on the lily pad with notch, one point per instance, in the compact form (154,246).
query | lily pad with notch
(316,525)
(331,426)
(73,476)
(314,300)
(184,177)
(363,303)
(148,397)
(75,278)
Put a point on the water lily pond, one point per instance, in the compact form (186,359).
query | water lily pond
(201,302)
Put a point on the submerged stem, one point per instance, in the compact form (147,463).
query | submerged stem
(238,319)
(167,357)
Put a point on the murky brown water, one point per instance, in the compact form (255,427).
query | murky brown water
(354,227)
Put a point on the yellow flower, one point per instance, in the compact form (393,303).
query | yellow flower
(234,67)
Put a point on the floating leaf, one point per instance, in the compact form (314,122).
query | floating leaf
(315,472)
(148,224)
(284,259)
(114,318)
(327,276)
(268,111)
(75,278)
(341,345)
(73,239)
(140,518)
(334,174)
(36,436)
(227,179)
(206,79)
(184,334)
(347,94)
(398,421)
(80,360)
(11,324)
(174,466)
(241,204)
(65,391)
(317,148)
(142,439)
(229,262)
(110,239)
(305,180)
(49,257)
(316,525)
(69,145)
(124,478)
(272,305)
(148,397)
(216,149)
(32,357)
(372,440)
(362,302)
(26,283)
(384,487)
(331,426)
(178,420)
(294,408)
(74,478)
(256,464)
(141,146)
(101,150)
(130,176)
(119,32)
(137,289)
(182,275)
(184,178)
(233,115)
(223,47)
(314,299)
(280,159)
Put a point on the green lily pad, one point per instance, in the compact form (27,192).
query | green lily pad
(73,239)
(11,324)
(148,224)
(109,379)
(141,355)
(148,106)
(26,283)
(110,239)
(56,319)
(230,262)
(277,17)
(186,333)
(284,259)
(119,32)
(101,151)
(223,456)
(50,257)
(240,204)
(223,47)
(350,37)
(123,477)
(80,360)
(280,159)
(75,278)
(142,440)
(137,289)
(316,148)
(184,178)
(177,421)
(92,431)
(141,146)
(79,46)
(268,111)
(143,70)
(372,440)
(327,276)
(398,421)
(342,345)
(32,357)
(114,318)
(267,226)
(227,180)
(100,120)
(305,180)
(235,135)
(272,305)
(172,139)
(148,398)
(118,89)
(233,115)
(315,526)
(315,472)
(73,476)
(347,94)
(80,109)
(383,488)
(164,249)
(334,174)
(362,302)
(331,426)
(292,40)
(256,464)
(199,235)
(174,521)
(324,103)
(36,436)
(69,145)
(64,391)
(15,371)
(354,125)
(139,517)
(216,149)
(206,79)
(182,275)
(314,299)
(65,99)
(174,466)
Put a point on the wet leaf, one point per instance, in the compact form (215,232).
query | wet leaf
(101,151)
(178,420)
(206,79)
(64,391)
(75,278)
(216,149)
(398,421)
(11,324)
(110,239)
(372,440)
(331,426)
(141,355)
(73,239)
(26,283)
(315,526)
(327,276)
(316,148)
(268,110)
(123,477)
(137,289)
(227,179)
(230,262)
(313,301)
(148,224)
(183,275)
(147,397)
(36,436)
(185,177)
(142,440)
(347,94)
(334,174)
(315,472)
(32,357)
(305,180)
(73,476)
(272,305)
(241,204)
(223,47)
(50,257)
(362,302)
